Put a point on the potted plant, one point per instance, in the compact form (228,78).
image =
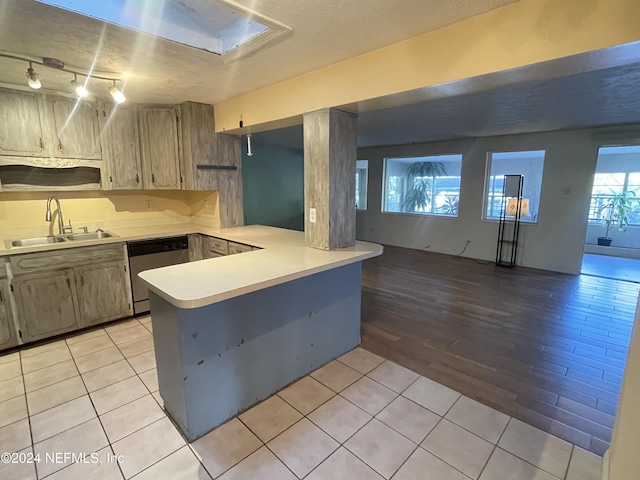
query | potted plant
(421,176)
(615,211)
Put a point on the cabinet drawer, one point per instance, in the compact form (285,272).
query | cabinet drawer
(238,248)
(56,259)
(217,245)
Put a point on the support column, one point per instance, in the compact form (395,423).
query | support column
(330,156)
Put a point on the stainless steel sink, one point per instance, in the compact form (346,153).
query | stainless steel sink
(32,242)
(89,236)
(71,237)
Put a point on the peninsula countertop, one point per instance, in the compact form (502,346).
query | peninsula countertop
(283,258)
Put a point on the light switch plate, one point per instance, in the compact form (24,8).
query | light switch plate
(312,215)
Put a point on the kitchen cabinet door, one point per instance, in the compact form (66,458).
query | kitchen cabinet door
(47,303)
(7,334)
(125,171)
(104,292)
(75,128)
(235,248)
(21,124)
(216,245)
(160,148)
(196,248)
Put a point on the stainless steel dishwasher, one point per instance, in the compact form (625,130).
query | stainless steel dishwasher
(148,254)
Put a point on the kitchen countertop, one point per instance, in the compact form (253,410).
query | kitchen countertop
(283,258)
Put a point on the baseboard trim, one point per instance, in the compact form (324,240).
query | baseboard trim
(605,465)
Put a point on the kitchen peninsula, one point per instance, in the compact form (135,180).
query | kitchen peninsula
(231,331)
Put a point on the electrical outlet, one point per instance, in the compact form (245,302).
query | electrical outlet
(148,204)
(312,215)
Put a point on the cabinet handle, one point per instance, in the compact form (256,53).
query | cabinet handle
(137,178)
(41,143)
(153,178)
(59,145)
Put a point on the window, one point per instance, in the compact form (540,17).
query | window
(617,172)
(423,185)
(528,164)
(217,27)
(362,177)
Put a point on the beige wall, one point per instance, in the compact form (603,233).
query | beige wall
(624,455)
(24,213)
(519,34)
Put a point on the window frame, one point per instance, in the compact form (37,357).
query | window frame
(487,180)
(384,195)
(624,188)
(359,183)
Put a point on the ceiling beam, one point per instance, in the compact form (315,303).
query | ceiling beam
(519,34)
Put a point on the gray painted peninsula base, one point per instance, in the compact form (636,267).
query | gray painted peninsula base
(218,360)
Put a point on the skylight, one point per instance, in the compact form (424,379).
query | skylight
(213,25)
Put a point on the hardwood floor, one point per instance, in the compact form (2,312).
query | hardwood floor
(547,348)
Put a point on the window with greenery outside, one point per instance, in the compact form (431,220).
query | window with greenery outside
(426,187)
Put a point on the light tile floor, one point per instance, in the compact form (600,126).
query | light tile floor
(359,417)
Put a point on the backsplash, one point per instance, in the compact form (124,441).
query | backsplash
(23,214)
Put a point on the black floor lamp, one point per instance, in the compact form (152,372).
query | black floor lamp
(513,207)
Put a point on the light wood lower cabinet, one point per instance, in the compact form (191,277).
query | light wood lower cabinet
(47,303)
(215,245)
(212,247)
(104,292)
(70,289)
(235,248)
(7,334)
(196,247)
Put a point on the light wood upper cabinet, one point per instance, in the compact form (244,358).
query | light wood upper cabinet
(46,303)
(7,335)
(22,124)
(104,292)
(160,147)
(125,164)
(75,128)
(210,160)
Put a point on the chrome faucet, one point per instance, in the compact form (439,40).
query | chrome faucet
(61,227)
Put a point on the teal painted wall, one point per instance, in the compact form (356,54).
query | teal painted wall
(273,182)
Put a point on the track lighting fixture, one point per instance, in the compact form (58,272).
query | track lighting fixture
(80,89)
(32,77)
(117,95)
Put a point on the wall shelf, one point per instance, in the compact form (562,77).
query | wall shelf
(216,167)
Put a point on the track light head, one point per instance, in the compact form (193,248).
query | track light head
(117,95)
(79,88)
(32,78)
(249,151)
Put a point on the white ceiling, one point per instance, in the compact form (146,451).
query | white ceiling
(602,97)
(159,71)
(582,91)
(598,98)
